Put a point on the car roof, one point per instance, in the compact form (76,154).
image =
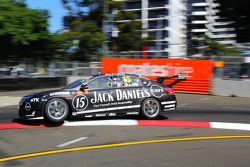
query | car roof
(113,74)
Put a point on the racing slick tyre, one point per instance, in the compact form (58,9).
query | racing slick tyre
(151,108)
(56,110)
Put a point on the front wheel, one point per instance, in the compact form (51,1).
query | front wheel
(151,108)
(56,110)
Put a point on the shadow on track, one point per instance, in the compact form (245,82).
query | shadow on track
(36,123)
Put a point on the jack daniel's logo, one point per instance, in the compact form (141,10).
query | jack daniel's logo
(120,95)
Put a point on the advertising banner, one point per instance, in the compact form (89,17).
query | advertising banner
(199,72)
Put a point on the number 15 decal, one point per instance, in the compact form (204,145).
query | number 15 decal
(80,102)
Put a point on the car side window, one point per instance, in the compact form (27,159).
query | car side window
(130,81)
(116,81)
(102,82)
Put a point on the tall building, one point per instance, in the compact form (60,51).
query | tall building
(165,21)
(174,23)
(203,18)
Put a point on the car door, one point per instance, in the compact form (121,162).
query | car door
(97,98)
(130,92)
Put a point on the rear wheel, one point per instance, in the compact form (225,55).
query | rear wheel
(56,110)
(151,108)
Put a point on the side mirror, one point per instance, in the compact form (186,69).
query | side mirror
(84,87)
(182,76)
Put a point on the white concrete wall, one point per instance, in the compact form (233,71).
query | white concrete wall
(240,88)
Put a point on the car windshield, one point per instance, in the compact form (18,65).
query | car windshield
(75,84)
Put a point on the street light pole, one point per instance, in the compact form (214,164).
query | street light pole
(104,26)
(159,36)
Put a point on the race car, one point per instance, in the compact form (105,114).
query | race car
(102,96)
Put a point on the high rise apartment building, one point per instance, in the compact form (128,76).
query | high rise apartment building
(165,22)
(203,18)
(172,23)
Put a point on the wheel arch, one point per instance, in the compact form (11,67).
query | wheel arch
(67,102)
(151,97)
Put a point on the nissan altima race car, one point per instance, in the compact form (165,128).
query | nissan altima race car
(100,96)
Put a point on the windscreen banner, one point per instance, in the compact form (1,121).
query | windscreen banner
(199,73)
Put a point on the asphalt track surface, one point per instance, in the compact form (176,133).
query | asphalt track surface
(98,145)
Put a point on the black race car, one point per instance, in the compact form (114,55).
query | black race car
(101,95)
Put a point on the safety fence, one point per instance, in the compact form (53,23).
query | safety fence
(200,73)
(51,69)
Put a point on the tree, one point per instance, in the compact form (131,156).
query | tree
(209,47)
(91,12)
(84,24)
(129,38)
(23,32)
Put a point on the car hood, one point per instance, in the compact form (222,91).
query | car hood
(42,93)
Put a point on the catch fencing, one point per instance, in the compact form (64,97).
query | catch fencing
(52,69)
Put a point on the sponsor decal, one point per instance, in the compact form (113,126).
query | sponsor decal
(117,97)
(80,102)
(109,109)
(132,113)
(32,114)
(127,80)
(101,115)
(27,106)
(114,74)
(157,91)
(34,100)
(74,113)
(147,69)
(88,116)
(111,114)
(120,95)
(59,94)
(102,97)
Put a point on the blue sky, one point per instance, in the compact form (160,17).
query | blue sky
(55,9)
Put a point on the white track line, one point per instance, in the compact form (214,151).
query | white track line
(231,126)
(72,142)
(205,98)
(103,122)
(214,125)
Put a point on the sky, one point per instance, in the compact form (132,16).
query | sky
(56,11)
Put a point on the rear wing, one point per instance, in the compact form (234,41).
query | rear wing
(180,77)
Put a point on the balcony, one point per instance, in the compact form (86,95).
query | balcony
(227,42)
(199,30)
(158,14)
(156,24)
(200,4)
(224,36)
(200,22)
(202,13)
(157,3)
(133,5)
(163,35)
(223,29)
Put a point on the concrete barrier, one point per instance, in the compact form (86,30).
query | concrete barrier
(240,88)
(31,83)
